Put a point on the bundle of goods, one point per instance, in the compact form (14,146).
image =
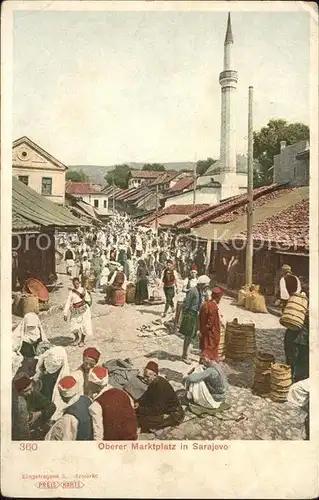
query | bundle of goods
(240,340)
(280,382)
(263,363)
(29,303)
(130,293)
(242,295)
(294,314)
(254,301)
(35,296)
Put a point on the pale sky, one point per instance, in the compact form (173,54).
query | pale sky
(113,87)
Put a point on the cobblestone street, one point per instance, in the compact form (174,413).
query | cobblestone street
(116,335)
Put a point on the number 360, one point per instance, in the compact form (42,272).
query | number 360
(28,446)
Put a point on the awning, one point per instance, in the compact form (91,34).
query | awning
(297,254)
(34,210)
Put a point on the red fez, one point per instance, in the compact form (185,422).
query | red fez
(22,382)
(67,382)
(100,371)
(194,267)
(92,353)
(217,291)
(151,365)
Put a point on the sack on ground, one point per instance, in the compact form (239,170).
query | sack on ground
(242,295)
(257,303)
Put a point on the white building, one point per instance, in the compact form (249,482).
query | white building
(90,194)
(39,170)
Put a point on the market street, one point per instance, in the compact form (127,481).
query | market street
(116,335)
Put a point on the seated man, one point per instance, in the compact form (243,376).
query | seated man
(207,384)
(91,357)
(159,406)
(112,410)
(75,423)
(39,407)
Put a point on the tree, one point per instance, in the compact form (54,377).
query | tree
(76,176)
(154,167)
(267,145)
(203,165)
(119,175)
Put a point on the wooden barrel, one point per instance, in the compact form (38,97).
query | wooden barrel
(263,363)
(118,297)
(178,314)
(295,311)
(130,293)
(240,340)
(280,382)
(30,303)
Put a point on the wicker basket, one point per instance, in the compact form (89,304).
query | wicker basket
(221,345)
(280,382)
(263,363)
(240,340)
(295,311)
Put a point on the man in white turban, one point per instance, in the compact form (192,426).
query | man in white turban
(52,366)
(75,423)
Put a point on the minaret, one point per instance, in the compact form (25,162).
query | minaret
(228,80)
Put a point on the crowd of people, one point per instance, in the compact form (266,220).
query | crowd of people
(50,402)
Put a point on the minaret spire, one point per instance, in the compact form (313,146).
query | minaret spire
(229,34)
(228,81)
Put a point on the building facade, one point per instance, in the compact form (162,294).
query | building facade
(91,195)
(142,177)
(292,164)
(39,170)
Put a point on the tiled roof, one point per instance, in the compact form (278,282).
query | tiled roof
(164,178)
(237,212)
(225,207)
(290,226)
(80,188)
(175,209)
(112,190)
(30,209)
(145,174)
(124,193)
(185,183)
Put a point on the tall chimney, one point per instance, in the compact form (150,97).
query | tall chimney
(283,144)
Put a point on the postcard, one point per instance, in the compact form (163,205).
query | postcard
(159,249)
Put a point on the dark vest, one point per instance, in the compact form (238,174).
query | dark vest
(291,283)
(169,278)
(69,255)
(80,410)
(119,419)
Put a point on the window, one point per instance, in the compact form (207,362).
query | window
(46,185)
(96,203)
(24,179)
(105,203)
